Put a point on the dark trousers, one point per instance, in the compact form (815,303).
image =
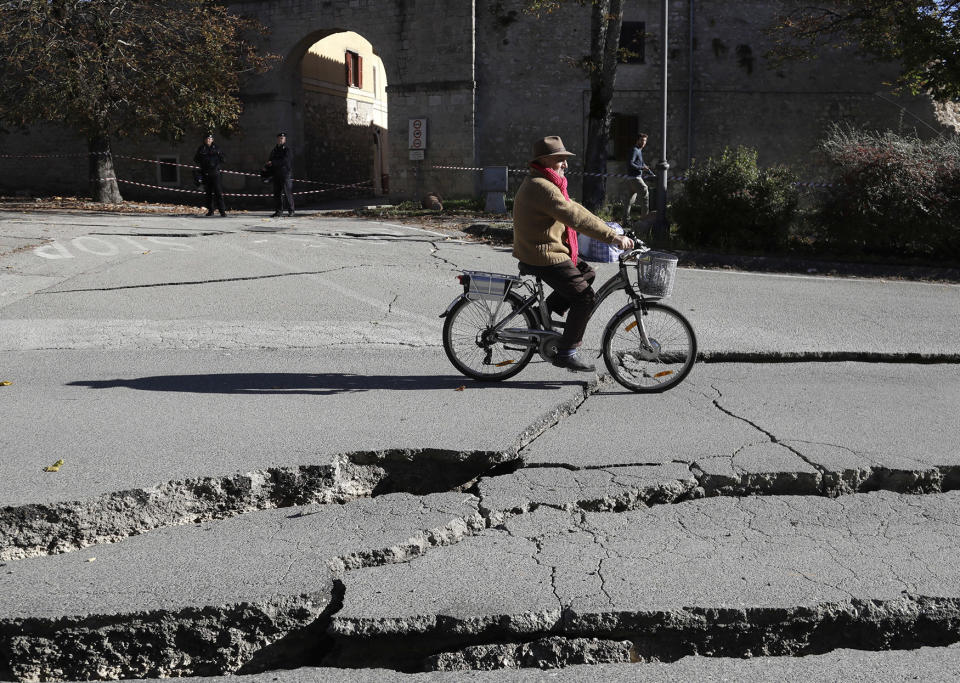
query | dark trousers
(214,188)
(572,294)
(282,187)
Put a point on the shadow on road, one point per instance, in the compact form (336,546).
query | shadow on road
(299,383)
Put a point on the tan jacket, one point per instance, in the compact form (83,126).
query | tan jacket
(540,216)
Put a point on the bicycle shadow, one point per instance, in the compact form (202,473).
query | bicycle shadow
(319,384)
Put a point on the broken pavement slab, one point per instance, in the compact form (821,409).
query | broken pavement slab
(718,576)
(931,664)
(620,428)
(611,489)
(253,591)
(760,468)
(210,413)
(227,434)
(736,430)
(772,428)
(875,416)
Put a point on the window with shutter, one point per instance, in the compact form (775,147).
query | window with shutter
(354,68)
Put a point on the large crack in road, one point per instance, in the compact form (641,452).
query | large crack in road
(501,499)
(670,600)
(41,529)
(441,559)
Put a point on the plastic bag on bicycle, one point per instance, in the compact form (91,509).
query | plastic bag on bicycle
(597,251)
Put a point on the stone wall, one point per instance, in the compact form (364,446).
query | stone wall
(37,174)
(427,50)
(490,79)
(722,92)
(339,144)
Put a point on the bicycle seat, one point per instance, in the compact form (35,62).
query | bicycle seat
(525,269)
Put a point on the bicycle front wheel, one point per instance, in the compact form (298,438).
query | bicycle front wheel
(659,365)
(473,348)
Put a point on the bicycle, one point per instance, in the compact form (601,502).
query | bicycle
(647,346)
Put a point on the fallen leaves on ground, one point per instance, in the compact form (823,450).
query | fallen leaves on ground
(82,204)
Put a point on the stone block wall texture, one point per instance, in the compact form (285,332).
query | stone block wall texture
(721,93)
(427,49)
(335,152)
(491,78)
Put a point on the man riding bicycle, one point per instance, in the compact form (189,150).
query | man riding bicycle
(545,226)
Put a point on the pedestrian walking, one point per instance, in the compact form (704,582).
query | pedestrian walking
(636,187)
(545,226)
(281,165)
(209,158)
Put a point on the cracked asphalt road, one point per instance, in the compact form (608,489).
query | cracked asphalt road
(270,464)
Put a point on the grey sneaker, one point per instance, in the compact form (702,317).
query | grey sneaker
(573,363)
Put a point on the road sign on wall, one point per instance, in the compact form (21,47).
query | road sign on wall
(417,134)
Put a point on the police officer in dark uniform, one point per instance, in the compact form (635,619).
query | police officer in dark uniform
(281,163)
(209,158)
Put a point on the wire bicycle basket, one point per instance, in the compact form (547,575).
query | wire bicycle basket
(656,272)
(478,284)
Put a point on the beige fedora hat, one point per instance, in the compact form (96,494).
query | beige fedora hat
(550,146)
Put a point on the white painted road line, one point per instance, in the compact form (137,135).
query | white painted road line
(36,335)
(346,292)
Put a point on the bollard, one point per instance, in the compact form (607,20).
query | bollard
(494,184)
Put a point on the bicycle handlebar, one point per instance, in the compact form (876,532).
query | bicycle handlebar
(639,246)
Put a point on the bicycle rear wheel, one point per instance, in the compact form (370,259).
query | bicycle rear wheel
(660,366)
(469,343)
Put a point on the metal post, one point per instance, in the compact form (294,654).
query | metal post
(690,24)
(662,226)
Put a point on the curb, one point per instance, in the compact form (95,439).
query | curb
(780,264)
(903,357)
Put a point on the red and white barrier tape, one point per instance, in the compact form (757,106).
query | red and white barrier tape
(252,175)
(458,168)
(332,186)
(231,194)
(48,156)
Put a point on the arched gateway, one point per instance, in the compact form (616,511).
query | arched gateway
(426,49)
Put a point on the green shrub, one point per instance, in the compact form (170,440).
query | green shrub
(891,195)
(728,202)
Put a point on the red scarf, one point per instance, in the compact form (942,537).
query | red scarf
(570,236)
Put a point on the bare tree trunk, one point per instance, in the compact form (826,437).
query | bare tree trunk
(606,21)
(103,181)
